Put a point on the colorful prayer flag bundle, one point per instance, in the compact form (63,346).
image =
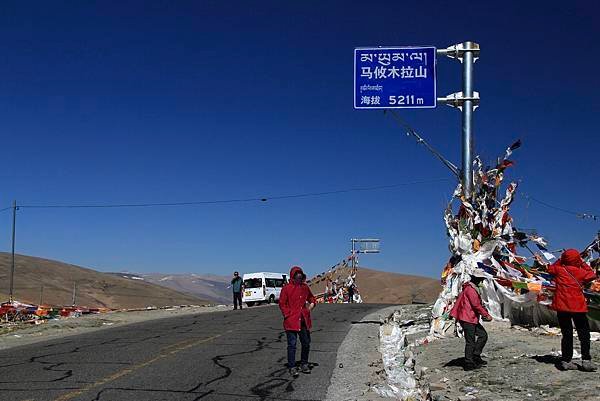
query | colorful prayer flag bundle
(482,234)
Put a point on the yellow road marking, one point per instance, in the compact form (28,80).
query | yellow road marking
(165,352)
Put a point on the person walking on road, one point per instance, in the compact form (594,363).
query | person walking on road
(570,273)
(467,310)
(296,302)
(237,285)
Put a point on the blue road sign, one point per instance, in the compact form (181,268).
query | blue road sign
(394,77)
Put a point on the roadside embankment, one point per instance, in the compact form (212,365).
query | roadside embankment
(362,372)
(389,355)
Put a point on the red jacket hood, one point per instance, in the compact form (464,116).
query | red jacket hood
(294,270)
(571,257)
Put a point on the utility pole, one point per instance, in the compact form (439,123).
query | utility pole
(353,253)
(74,290)
(41,294)
(466,101)
(12,265)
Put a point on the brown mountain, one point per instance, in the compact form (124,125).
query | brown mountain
(385,287)
(206,286)
(53,281)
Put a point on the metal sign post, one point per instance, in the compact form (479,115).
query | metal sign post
(405,77)
(466,101)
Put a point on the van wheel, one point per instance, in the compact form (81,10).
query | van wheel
(249,304)
(272,299)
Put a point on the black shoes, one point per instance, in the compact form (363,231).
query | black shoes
(588,366)
(471,366)
(476,364)
(480,361)
(304,368)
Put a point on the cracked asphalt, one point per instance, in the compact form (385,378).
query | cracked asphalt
(232,355)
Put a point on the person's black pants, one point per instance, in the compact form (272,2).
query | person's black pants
(565,321)
(475,339)
(237,299)
(292,338)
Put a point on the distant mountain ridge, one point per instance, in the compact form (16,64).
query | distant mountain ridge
(375,286)
(51,282)
(206,286)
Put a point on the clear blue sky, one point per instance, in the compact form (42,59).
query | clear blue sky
(140,101)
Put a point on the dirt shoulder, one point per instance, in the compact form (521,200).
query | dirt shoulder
(520,367)
(24,334)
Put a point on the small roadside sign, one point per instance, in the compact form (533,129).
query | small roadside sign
(394,77)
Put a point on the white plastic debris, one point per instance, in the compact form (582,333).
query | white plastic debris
(399,360)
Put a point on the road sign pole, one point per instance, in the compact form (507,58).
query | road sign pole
(405,77)
(467,120)
(467,101)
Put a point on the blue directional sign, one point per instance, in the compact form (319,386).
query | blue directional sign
(394,77)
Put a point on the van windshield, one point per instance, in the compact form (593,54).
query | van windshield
(253,283)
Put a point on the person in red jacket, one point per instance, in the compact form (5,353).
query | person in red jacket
(466,311)
(296,301)
(570,273)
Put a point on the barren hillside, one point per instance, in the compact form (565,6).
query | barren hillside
(53,281)
(385,287)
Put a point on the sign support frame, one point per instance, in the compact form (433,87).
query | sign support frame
(466,101)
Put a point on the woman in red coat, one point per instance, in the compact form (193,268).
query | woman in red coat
(296,301)
(570,273)
(467,310)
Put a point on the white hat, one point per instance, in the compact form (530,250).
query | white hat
(478,273)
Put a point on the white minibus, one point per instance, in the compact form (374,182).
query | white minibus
(263,287)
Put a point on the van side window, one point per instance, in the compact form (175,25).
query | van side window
(253,283)
(270,282)
(279,282)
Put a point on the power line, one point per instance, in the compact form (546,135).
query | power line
(581,215)
(225,201)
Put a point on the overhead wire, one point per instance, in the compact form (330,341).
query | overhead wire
(581,215)
(226,201)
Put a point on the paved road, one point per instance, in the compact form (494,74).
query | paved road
(234,355)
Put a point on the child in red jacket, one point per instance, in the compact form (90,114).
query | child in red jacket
(296,301)
(466,311)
